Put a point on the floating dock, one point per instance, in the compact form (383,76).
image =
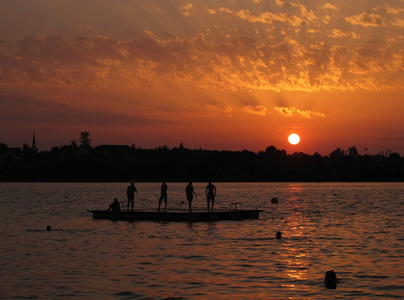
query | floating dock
(180,215)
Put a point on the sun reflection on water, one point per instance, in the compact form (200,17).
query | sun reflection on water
(293,258)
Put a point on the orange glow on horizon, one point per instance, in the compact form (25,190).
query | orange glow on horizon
(242,76)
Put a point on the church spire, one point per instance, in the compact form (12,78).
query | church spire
(33,140)
(34,148)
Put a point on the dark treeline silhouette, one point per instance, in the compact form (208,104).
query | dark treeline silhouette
(122,163)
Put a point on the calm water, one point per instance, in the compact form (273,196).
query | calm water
(356,229)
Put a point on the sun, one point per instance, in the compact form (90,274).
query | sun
(294,139)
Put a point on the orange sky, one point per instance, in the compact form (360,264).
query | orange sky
(223,75)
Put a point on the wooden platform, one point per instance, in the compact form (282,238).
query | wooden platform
(180,215)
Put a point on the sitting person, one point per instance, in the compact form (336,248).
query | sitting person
(115,206)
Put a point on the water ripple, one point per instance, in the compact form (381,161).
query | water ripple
(357,233)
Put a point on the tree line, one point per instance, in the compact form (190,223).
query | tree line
(82,162)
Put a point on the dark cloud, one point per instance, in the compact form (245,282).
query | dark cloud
(23,109)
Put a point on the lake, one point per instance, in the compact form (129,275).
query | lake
(355,229)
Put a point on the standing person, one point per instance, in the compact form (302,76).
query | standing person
(210,194)
(130,193)
(163,196)
(189,191)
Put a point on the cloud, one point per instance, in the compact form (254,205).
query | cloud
(186,9)
(232,64)
(87,28)
(366,20)
(292,111)
(308,15)
(398,23)
(338,33)
(269,17)
(279,3)
(210,10)
(256,110)
(329,6)
(393,9)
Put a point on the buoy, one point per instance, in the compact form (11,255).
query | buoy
(278,235)
(48,228)
(274,200)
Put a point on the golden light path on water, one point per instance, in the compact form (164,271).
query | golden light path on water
(293,257)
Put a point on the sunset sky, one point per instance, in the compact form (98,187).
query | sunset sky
(219,75)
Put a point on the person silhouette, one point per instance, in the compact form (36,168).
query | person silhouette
(330,280)
(210,194)
(189,191)
(163,196)
(130,193)
(115,206)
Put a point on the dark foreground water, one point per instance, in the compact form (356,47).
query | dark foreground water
(356,229)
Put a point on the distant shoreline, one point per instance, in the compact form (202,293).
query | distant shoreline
(182,165)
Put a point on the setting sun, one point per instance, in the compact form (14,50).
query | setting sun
(294,139)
